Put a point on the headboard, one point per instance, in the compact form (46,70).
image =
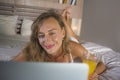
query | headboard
(22,11)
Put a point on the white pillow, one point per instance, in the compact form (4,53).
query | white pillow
(26,27)
(8,24)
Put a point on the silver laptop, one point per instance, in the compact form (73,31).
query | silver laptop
(43,71)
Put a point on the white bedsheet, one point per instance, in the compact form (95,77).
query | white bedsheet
(7,54)
(10,46)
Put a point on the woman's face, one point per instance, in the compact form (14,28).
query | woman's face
(50,36)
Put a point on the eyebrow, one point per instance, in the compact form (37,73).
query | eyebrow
(48,31)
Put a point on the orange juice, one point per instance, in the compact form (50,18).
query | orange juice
(92,65)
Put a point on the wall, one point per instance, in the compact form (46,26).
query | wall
(101,22)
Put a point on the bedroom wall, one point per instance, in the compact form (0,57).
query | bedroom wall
(101,23)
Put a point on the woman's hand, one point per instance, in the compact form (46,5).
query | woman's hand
(94,76)
(67,13)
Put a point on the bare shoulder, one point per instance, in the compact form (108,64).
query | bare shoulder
(77,49)
(20,57)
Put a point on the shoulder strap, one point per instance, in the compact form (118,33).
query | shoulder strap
(71,58)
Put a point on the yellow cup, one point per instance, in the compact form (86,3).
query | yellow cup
(92,65)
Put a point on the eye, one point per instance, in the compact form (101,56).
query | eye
(52,33)
(41,36)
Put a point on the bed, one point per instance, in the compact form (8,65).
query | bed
(15,34)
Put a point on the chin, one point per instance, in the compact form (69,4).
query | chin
(51,52)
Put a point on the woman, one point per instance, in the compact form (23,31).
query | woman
(49,42)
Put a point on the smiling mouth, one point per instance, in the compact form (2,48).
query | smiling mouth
(49,46)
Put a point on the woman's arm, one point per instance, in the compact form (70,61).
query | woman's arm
(99,70)
(67,21)
(79,51)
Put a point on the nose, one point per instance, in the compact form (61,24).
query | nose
(47,38)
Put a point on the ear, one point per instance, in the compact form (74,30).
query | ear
(63,32)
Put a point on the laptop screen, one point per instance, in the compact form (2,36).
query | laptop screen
(43,71)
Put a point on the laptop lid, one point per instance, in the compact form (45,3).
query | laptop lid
(43,71)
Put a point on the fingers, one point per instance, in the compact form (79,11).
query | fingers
(67,16)
(64,13)
(93,76)
(67,13)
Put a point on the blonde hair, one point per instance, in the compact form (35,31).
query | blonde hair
(34,51)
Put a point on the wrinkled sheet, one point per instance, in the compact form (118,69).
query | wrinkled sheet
(6,54)
(109,57)
(10,46)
